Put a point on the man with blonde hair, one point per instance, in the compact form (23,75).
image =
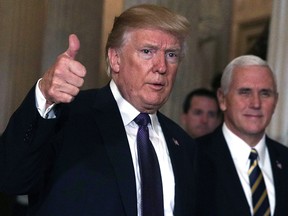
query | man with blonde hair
(108,151)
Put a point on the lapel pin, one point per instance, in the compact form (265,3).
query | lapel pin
(175,142)
(278,164)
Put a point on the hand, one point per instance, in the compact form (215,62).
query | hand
(62,82)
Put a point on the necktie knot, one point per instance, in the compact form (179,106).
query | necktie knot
(253,155)
(142,119)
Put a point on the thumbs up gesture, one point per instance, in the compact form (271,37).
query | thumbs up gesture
(63,80)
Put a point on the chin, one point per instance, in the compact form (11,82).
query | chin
(255,131)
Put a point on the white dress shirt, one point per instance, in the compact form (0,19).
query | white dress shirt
(128,114)
(240,152)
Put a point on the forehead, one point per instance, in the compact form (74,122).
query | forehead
(203,102)
(152,37)
(253,77)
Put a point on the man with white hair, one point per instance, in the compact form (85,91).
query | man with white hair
(240,170)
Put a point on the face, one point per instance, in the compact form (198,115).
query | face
(144,69)
(250,102)
(202,117)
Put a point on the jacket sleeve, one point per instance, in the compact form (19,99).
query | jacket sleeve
(24,150)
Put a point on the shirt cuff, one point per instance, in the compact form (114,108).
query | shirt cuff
(41,104)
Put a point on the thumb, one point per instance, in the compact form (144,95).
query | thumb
(74,46)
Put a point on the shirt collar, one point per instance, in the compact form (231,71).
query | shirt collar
(128,111)
(239,149)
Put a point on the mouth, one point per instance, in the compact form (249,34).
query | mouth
(157,85)
(254,116)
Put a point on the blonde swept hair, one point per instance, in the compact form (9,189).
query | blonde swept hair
(147,16)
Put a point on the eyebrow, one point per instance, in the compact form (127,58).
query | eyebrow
(251,89)
(157,46)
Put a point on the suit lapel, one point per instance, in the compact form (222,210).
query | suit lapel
(280,177)
(179,165)
(228,176)
(108,117)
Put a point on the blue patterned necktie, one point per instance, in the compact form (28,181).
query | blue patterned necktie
(258,188)
(151,183)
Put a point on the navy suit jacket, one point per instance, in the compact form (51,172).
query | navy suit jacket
(80,163)
(219,190)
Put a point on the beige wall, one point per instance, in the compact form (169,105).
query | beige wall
(21,24)
(33,33)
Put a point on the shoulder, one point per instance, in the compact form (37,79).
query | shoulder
(87,96)
(86,99)
(174,131)
(173,127)
(276,146)
(212,138)
(212,146)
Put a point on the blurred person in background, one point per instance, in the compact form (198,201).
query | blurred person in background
(201,113)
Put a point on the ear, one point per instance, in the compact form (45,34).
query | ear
(221,99)
(114,59)
(276,100)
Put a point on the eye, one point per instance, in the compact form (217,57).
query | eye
(244,91)
(212,114)
(146,51)
(172,56)
(266,93)
(197,112)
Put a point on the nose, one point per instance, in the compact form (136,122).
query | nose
(255,101)
(204,118)
(160,63)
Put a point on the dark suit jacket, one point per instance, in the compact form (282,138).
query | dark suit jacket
(219,190)
(80,163)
